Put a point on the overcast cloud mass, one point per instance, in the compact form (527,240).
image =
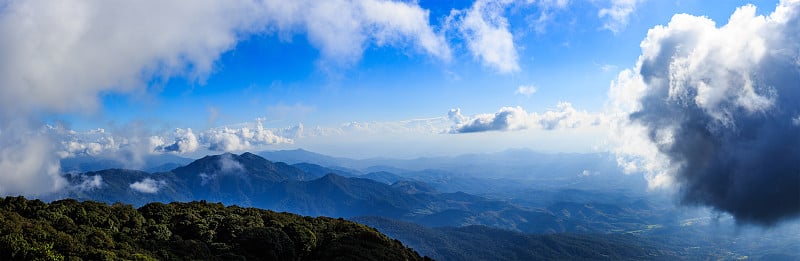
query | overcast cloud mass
(713,108)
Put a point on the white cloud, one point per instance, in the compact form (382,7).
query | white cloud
(548,12)
(341,29)
(228,164)
(239,139)
(28,165)
(564,116)
(89,183)
(617,14)
(486,32)
(148,185)
(185,141)
(709,109)
(132,149)
(426,125)
(526,90)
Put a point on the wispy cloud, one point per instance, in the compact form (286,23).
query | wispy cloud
(88,183)
(526,90)
(616,15)
(487,34)
(148,185)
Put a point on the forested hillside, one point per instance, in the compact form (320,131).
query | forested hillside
(73,230)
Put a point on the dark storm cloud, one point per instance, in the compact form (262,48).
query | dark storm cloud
(720,105)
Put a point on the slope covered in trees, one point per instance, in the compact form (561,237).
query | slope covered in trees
(73,230)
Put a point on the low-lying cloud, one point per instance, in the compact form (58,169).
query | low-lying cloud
(713,110)
(238,139)
(148,185)
(564,116)
(88,183)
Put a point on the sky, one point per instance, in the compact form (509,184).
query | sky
(379,64)
(689,93)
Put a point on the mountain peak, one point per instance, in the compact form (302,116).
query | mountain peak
(249,155)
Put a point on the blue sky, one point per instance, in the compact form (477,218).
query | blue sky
(567,50)
(573,60)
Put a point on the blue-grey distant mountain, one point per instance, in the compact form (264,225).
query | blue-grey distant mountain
(486,243)
(518,164)
(250,180)
(148,163)
(317,170)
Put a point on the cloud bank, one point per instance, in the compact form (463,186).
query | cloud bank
(713,110)
(564,116)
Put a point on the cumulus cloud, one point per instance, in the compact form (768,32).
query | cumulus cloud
(615,16)
(485,30)
(185,141)
(507,118)
(242,138)
(341,29)
(526,90)
(129,144)
(132,148)
(516,118)
(711,109)
(148,185)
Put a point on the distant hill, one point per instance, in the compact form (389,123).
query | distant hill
(250,180)
(148,163)
(505,170)
(73,230)
(485,243)
(685,243)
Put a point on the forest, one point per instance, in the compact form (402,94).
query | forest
(73,230)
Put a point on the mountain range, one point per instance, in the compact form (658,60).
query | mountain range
(252,181)
(443,211)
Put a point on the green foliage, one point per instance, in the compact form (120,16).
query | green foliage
(72,230)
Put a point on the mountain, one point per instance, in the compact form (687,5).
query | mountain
(304,156)
(73,230)
(514,163)
(486,243)
(687,242)
(500,174)
(383,176)
(148,163)
(319,171)
(598,205)
(117,185)
(250,180)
